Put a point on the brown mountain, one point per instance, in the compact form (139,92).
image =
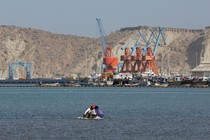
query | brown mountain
(58,55)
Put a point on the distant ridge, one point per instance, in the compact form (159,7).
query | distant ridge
(57,55)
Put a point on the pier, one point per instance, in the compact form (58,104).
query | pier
(78,83)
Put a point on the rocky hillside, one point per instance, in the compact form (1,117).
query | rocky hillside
(58,55)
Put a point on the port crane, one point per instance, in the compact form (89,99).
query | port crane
(109,61)
(128,58)
(28,69)
(149,55)
(137,58)
(127,65)
(144,58)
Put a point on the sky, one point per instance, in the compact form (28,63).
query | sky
(78,17)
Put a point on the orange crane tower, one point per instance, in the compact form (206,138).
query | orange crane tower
(150,63)
(127,64)
(138,64)
(109,61)
(149,56)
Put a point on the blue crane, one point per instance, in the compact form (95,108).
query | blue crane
(109,61)
(102,36)
(141,38)
(160,34)
(28,69)
(152,36)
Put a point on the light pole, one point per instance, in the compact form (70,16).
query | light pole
(168,64)
(86,62)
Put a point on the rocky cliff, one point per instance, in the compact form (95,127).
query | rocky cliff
(58,55)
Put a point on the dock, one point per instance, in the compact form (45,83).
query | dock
(78,83)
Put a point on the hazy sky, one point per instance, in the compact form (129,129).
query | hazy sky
(78,17)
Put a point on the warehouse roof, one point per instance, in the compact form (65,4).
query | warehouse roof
(204,66)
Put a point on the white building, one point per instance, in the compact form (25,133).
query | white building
(203,70)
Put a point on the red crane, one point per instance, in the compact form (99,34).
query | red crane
(109,61)
(138,64)
(149,56)
(127,64)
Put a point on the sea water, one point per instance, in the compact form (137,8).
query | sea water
(40,113)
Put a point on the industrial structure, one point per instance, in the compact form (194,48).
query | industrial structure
(138,64)
(203,69)
(28,69)
(127,64)
(110,62)
(144,58)
(149,55)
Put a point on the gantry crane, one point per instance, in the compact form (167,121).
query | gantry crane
(149,56)
(127,65)
(144,59)
(138,64)
(133,63)
(28,69)
(109,61)
(137,58)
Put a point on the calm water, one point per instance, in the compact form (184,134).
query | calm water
(130,113)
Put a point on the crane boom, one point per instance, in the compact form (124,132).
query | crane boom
(141,38)
(149,42)
(109,61)
(160,33)
(102,36)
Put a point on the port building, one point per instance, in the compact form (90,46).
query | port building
(203,69)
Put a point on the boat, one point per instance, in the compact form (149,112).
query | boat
(96,118)
(148,73)
(160,85)
(49,84)
(186,82)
